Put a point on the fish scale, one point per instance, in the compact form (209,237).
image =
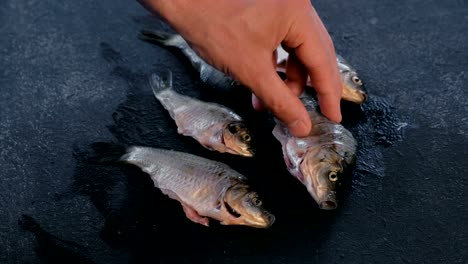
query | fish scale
(200,115)
(172,101)
(353,89)
(214,126)
(194,116)
(325,132)
(326,151)
(208,74)
(205,188)
(183,173)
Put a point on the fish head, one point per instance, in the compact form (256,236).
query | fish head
(353,87)
(243,207)
(237,139)
(321,169)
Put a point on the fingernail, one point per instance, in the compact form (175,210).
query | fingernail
(299,128)
(257,104)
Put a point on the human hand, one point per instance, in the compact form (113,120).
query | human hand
(240,38)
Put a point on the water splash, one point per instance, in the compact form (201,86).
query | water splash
(376,126)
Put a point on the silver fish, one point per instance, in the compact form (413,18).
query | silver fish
(208,74)
(214,126)
(205,188)
(353,87)
(319,159)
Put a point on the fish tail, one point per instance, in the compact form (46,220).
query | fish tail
(159,84)
(108,152)
(161,38)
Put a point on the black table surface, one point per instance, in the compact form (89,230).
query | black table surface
(73,73)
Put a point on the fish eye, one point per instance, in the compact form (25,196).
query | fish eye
(246,137)
(256,201)
(356,80)
(332,176)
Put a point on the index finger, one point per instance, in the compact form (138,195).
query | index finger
(275,95)
(317,54)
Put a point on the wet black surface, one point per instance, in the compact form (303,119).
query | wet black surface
(74,73)
(51,248)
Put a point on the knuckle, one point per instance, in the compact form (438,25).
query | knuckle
(277,106)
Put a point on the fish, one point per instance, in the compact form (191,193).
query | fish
(319,161)
(353,87)
(205,188)
(214,126)
(208,74)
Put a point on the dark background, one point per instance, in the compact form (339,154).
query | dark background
(73,73)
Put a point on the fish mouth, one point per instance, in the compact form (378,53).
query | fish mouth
(237,149)
(355,96)
(265,221)
(323,196)
(328,205)
(243,152)
(364,95)
(327,200)
(246,152)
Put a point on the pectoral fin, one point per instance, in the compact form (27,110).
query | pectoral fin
(194,216)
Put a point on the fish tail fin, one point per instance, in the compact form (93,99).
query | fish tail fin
(159,84)
(108,152)
(161,38)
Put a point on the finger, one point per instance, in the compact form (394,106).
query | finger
(320,60)
(324,33)
(327,84)
(275,57)
(257,104)
(296,75)
(279,99)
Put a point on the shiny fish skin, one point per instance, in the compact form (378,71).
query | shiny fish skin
(208,74)
(353,88)
(319,159)
(209,123)
(202,186)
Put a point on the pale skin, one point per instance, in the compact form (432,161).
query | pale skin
(239,37)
